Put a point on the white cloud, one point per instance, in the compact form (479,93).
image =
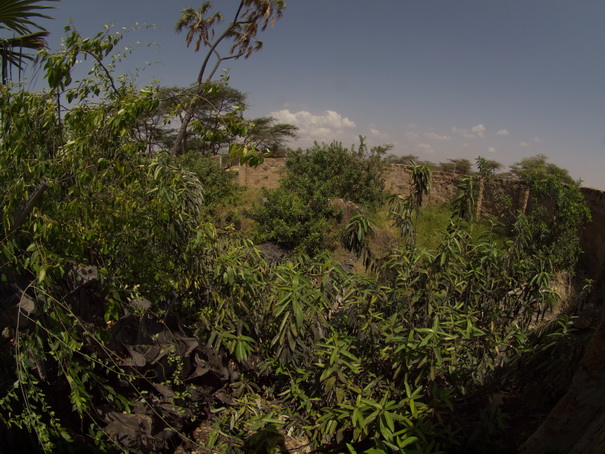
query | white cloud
(411,135)
(491,149)
(412,125)
(425,148)
(502,132)
(473,133)
(538,139)
(435,136)
(523,144)
(479,130)
(378,134)
(464,133)
(320,132)
(327,125)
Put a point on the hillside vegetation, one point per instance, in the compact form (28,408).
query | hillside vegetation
(138,316)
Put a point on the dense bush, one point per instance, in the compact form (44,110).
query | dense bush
(79,193)
(298,213)
(353,174)
(551,226)
(220,186)
(298,223)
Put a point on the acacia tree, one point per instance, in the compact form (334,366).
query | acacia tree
(266,134)
(251,17)
(458,166)
(212,126)
(536,168)
(209,133)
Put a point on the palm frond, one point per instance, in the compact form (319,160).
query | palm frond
(12,50)
(19,15)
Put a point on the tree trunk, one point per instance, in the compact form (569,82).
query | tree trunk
(180,142)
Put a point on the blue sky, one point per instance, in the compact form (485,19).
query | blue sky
(504,79)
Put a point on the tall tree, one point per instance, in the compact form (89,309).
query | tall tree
(209,117)
(18,16)
(217,122)
(251,17)
(459,166)
(537,168)
(266,134)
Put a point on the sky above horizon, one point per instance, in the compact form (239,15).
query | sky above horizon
(439,79)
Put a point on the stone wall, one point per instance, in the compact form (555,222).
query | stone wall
(397,181)
(443,185)
(444,188)
(577,422)
(267,175)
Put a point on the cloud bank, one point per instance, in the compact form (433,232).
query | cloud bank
(325,126)
(473,133)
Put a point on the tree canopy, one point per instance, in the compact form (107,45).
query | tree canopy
(250,18)
(537,168)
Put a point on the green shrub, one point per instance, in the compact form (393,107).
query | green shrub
(297,215)
(220,185)
(286,218)
(355,175)
(551,226)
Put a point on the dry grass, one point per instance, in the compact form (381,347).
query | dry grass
(566,298)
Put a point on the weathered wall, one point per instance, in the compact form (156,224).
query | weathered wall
(576,424)
(266,175)
(397,181)
(443,185)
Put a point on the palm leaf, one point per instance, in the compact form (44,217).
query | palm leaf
(11,49)
(19,15)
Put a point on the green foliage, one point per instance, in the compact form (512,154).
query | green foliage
(404,211)
(464,204)
(78,190)
(220,185)
(355,237)
(298,214)
(251,17)
(390,362)
(355,174)
(536,168)
(397,359)
(551,227)
(429,225)
(267,135)
(20,16)
(287,218)
(218,110)
(487,167)
(421,183)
